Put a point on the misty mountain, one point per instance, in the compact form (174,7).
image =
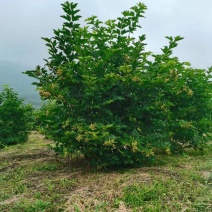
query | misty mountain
(11,74)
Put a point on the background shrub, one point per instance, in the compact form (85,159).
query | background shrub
(114,102)
(15,118)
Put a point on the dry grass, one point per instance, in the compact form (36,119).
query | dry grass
(31,179)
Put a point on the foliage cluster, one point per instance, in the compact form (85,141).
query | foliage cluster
(114,102)
(15,118)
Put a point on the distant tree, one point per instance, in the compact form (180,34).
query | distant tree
(114,104)
(15,118)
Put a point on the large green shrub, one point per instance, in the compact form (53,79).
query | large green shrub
(15,118)
(115,102)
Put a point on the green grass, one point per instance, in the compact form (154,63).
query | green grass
(33,180)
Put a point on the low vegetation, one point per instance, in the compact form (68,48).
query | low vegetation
(32,180)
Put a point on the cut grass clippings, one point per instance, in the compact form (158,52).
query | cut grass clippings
(33,180)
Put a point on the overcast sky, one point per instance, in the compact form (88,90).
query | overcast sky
(24,22)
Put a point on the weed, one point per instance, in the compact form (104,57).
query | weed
(136,195)
(36,206)
(46,167)
(67,182)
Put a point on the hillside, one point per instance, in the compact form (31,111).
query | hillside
(31,179)
(11,74)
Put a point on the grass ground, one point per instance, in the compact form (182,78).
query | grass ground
(32,180)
